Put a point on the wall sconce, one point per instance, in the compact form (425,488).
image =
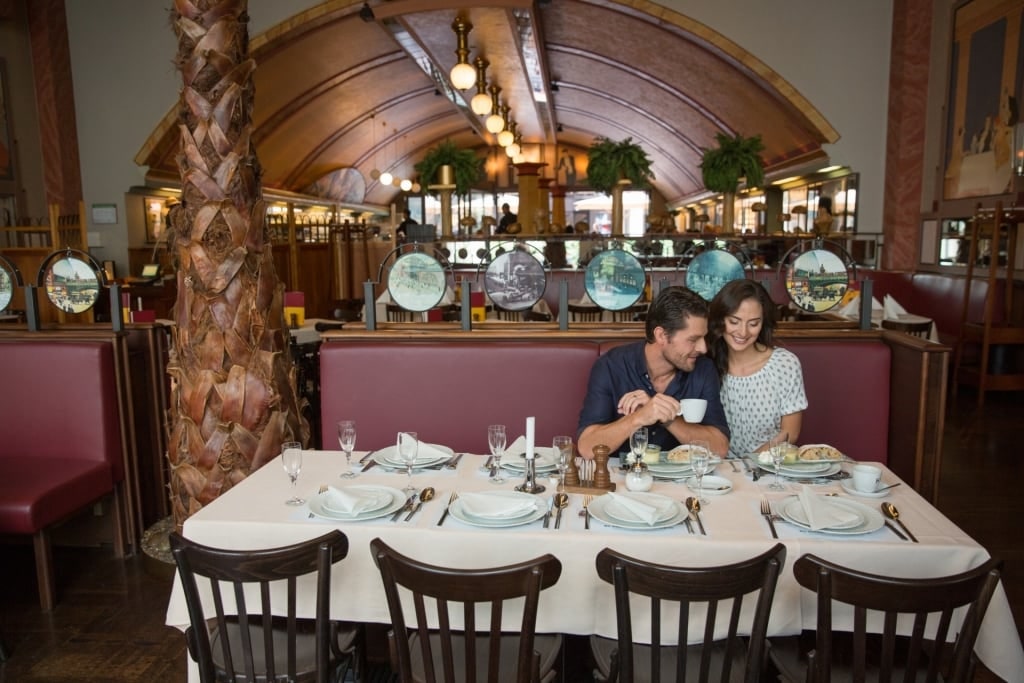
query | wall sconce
(505,137)
(481,102)
(494,123)
(463,75)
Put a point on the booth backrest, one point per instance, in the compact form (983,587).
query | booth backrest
(60,400)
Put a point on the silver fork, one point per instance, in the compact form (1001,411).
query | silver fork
(323,489)
(766,511)
(585,512)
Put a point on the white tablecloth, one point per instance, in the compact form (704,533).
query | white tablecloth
(253,515)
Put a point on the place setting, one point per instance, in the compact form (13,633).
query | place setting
(866,481)
(498,509)
(426,456)
(828,514)
(356,503)
(818,462)
(638,510)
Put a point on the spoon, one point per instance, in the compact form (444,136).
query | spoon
(425,495)
(561,501)
(890,511)
(693,505)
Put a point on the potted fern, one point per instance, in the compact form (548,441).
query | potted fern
(466,167)
(722,168)
(611,165)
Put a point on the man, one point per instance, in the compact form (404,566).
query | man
(507,219)
(403,227)
(641,384)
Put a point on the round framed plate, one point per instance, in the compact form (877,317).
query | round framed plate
(710,270)
(515,280)
(6,288)
(614,279)
(458,511)
(316,506)
(817,280)
(72,285)
(599,510)
(416,282)
(873,520)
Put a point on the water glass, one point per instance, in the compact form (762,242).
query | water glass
(778,446)
(700,460)
(638,444)
(347,441)
(291,460)
(408,448)
(496,442)
(562,445)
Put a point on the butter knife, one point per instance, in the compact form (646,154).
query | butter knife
(369,454)
(369,465)
(896,531)
(454,462)
(405,508)
(444,515)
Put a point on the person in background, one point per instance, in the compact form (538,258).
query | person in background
(641,384)
(402,229)
(507,219)
(762,385)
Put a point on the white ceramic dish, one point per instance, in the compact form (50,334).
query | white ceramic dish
(872,518)
(388,457)
(316,506)
(458,511)
(713,486)
(380,498)
(605,510)
(544,460)
(804,472)
(847,485)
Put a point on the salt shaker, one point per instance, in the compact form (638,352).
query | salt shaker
(639,478)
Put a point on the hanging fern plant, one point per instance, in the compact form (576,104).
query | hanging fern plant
(608,162)
(467,167)
(734,158)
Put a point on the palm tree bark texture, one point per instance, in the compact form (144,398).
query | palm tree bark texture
(233,385)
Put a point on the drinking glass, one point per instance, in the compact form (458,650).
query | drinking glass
(777,447)
(562,446)
(638,444)
(700,459)
(291,459)
(496,442)
(347,441)
(408,446)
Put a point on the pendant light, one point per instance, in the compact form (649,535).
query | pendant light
(463,75)
(516,147)
(494,122)
(505,137)
(481,102)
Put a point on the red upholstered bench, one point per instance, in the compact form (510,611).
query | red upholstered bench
(60,449)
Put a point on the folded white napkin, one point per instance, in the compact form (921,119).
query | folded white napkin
(822,513)
(516,447)
(351,501)
(649,510)
(491,506)
(384,298)
(449,297)
(430,451)
(891,309)
(852,308)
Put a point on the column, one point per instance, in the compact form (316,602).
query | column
(528,173)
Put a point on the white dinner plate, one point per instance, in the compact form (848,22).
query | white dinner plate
(663,460)
(388,457)
(604,509)
(804,472)
(713,486)
(380,498)
(544,460)
(398,498)
(872,518)
(847,485)
(458,511)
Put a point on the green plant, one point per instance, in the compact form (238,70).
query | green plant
(608,162)
(467,168)
(734,158)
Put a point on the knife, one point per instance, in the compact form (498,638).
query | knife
(404,508)
(369,454)
(547,515)
(372,463)
(586,517)
(896,531)
(454,462)
(558,518)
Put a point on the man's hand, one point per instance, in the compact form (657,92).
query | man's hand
(650,409)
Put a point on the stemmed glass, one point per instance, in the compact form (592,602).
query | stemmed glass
(347,441)
(777,448)
(408,446)
(562,446)
(496,442)
(291,459)
(700,459)
(638,444)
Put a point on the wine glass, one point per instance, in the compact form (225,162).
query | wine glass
(291,459)
(638,444)
(408,446)
(347,441)
(496,442)
(700,459)
(562,446)
(777,447)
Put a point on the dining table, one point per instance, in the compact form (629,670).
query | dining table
(253,514)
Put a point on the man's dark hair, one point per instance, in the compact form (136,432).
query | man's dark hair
(672,308)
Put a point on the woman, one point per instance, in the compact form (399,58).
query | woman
(762,386)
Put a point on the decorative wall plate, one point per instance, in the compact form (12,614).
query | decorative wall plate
(6,288)
(515,280)
(416,281)
(817,280)
(72,284)
(709,270)
(614,279)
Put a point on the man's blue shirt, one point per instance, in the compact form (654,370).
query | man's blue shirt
(624,369)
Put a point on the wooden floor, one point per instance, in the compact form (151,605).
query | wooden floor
(108,625)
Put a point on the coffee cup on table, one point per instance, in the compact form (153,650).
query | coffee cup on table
(866,478)
(692,409)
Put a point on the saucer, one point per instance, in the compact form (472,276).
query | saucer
(848,487)
(713,486)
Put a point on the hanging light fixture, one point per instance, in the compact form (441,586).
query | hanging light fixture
(406,185)
(375,173)
(463,74)
(516,147)
(386,177)
(481,102)
(494,122)
(506,136)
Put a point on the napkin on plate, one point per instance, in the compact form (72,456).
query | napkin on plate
(490,506)
(891,309)
(822,513)
(429,451)
(647,512)
(350,501)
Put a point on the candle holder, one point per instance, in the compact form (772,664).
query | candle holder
(530,484)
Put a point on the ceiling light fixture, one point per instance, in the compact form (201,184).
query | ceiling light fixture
(481,102)
(516,147)
(463,75)
(506,136)
(494,122)
(375,173)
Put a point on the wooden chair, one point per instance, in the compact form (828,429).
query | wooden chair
(881,599)
(584,314)
(397,314)
(263,639)
(918,329)
(439,634)
(630,313)
(693,590)
(535,317)
(506,314)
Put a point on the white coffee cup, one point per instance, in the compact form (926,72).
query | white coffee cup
(866,478)
(692,409)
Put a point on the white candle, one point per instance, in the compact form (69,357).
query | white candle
(529,438)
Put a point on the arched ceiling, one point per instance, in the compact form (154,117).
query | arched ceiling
(335,90)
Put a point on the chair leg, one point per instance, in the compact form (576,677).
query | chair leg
(118,507)
(44,570)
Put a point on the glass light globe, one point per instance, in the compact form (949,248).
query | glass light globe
(494,124)
(512,150)
(385,178)
(518,159)
(506,138)
(406,185)
(416,187)
(480,104)
(463,76)
(374,174)
(396,181)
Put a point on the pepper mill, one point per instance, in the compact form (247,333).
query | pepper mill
(602,478)
(572,474)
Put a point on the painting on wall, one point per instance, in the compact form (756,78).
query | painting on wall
(985,92)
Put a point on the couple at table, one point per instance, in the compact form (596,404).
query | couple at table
(722,353)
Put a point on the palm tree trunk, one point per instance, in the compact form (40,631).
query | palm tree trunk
(233,397)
